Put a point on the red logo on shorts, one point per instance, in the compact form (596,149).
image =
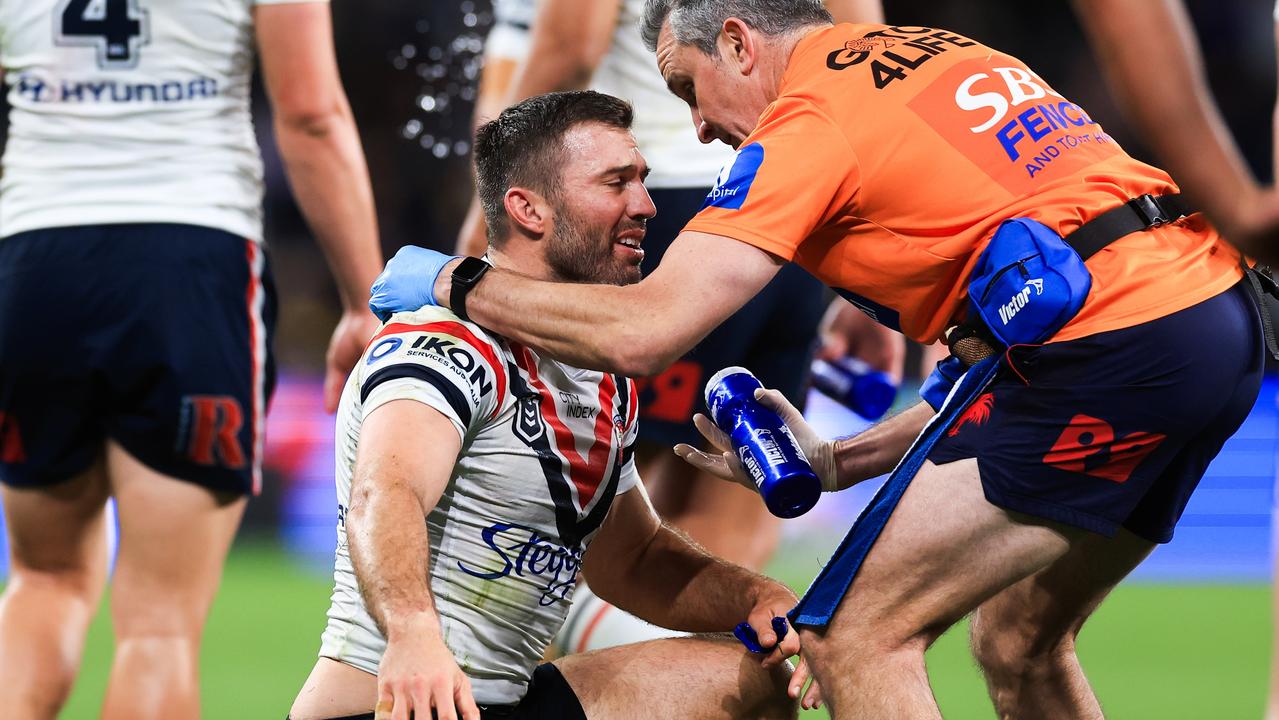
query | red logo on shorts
(213,422)
(671,395)
(1088,446)
(977,413)
(11,450)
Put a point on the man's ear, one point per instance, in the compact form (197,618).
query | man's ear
(738,45)
(528,211)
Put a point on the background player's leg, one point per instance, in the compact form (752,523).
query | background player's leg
(945,551)
(174,537)
(678,679)
(58,564)
(725,518)
(1024,637)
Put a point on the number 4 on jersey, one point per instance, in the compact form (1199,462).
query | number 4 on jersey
(117,28)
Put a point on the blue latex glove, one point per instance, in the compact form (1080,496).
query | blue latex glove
(408,281)
(747,636)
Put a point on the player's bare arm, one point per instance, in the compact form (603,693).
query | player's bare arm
(636,329)
(1197,150)
(318,142)
(398,480)
(658,574)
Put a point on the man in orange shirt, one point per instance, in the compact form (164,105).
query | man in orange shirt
(883,159)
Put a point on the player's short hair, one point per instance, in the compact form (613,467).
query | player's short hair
(698,22)
(523,147)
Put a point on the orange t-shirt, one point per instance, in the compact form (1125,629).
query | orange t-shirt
(891,156)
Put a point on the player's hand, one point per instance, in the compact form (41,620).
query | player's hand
(772,602)
(813,697)
(723,462)
(418,675)
(345,347)
(408,281)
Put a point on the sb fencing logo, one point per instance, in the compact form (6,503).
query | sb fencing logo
(1011,124)
(734,181)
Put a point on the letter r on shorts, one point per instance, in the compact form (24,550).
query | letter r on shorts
(212,424)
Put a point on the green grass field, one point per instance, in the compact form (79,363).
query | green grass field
(1198,652)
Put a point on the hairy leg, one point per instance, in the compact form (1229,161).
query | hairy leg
(945,551)
(696,678)
(1024,637)
(334,689)
(725,518)
(58,566)
(174,537)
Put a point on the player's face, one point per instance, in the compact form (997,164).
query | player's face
(601,208)
(720,98)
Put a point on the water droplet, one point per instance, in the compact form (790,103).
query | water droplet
(427,103)
(470,20)
(435,53)
(426,141)
(461,147)
(409,51)
(441,150)
(399,63)
(412,128)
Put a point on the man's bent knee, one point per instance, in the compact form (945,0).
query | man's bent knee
(1010,651)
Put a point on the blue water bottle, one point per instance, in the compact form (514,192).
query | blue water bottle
(855,385)
(763,443)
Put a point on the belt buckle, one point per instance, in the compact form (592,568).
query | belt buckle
(1149,210)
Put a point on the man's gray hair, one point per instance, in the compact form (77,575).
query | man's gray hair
(698,22)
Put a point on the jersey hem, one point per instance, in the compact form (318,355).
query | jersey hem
(1107,323)
(754,239)
(29,221)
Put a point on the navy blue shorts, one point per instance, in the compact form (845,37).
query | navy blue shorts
(773,335)
(1115,429)
(157,336)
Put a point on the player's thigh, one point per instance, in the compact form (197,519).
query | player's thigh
(1033,617)
(174,537)
(59,529)
(944,551)
(694,678)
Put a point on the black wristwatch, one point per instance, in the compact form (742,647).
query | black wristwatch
(465,276)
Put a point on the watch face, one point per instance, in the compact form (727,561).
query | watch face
(470,270)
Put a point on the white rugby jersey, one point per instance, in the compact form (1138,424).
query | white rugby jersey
(545,449)
(663,127)
(130,111)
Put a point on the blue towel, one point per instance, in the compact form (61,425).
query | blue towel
(828,589)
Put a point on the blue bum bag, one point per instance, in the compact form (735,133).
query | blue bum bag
(1027,284)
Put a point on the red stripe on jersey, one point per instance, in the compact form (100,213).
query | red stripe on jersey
(585,473)
(461,332)
(632,407)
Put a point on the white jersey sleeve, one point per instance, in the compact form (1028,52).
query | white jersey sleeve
(434,358)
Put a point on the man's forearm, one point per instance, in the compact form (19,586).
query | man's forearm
(326,168)
(591,326)
(676,584)
(1197,150)
(879,449)
(390,552)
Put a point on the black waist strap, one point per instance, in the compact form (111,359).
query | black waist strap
(1140,213)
